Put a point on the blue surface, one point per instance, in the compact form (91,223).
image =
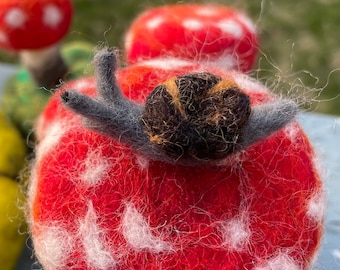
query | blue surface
(324,133)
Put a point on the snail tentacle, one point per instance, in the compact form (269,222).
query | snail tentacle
(267,118)
(106,63)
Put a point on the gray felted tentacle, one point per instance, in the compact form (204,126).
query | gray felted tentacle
(265,119)
(105,62)
(103,118)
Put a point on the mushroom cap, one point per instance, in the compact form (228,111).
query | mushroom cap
(211,34)
(33,24)
(259,209)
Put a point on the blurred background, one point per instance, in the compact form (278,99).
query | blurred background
(300,42)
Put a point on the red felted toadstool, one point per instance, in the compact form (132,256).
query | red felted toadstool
(210,34)
(33,28)
(186,167)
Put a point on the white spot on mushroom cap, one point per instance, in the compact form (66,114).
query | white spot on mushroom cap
(236,233)
(52,137)
(282,261)
(167,63)
(247,23)
(15,18)
(207,11)
(97,250)
(96,168)
(154,22)
(138,233)
(53,245)
(231,27)
(316,207)
(226,61)
(192,24)
(52,16)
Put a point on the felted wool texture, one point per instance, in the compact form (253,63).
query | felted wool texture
(211,34)
(96,203)
(19,19)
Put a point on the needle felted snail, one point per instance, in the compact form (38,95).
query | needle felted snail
(181,166)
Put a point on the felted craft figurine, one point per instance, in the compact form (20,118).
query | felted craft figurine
(173,163)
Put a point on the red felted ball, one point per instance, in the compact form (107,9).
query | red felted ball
(210,34)
(33,24)
(98,203)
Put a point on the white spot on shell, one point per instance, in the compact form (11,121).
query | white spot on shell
(167,63)
(192,24)
(230,27)
(96,168)
(53,245)
(15,18)
(236,233)
(96,248)
(52,16)
(138,233)
(316,208)
(280,262)
(154,22)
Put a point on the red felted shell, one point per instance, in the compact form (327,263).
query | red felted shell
(97,204)
(217,35)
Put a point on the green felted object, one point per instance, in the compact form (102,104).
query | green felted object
(23,100)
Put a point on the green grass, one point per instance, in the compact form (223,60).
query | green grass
(300,42)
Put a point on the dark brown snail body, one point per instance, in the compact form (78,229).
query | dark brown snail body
(196,116)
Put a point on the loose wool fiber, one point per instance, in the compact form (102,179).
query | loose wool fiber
(96,202)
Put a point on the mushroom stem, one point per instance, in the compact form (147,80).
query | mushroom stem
(46,66)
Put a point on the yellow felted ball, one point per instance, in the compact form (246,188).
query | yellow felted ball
(12,149)
(12,225)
